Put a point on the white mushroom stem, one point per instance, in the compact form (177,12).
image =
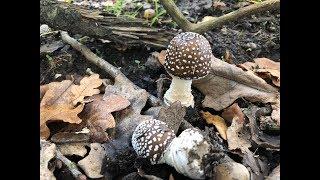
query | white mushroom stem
(185,153)
(180,90)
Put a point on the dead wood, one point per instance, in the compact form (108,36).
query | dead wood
(95,23)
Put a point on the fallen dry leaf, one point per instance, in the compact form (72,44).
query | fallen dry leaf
(47,152)
(162,57)
(98,115)
(218,122)
(264,68)
(226,83)
(172,115)
(59,100)
(238,138)
(58,112)
(92,164)
(88,87)
(73,149)
(233,111)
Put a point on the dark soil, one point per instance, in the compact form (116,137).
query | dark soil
(246,39)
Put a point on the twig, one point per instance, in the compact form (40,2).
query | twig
(110,69)
(204,26)
(71,166)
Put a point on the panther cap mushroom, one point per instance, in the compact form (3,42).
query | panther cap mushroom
(188,58)
(151,138)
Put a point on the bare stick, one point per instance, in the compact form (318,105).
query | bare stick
(110,69)
(204,26)
(71,166)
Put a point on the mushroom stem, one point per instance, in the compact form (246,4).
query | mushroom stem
(180,90)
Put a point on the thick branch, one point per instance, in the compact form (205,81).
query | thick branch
(202,27)
(95,23)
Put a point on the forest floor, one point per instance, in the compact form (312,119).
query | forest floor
(256,36)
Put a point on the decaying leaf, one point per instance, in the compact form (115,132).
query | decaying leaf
(265,68)
(60,98)
(92,164)
(98,115)
(260,138)
(70,137)
(226,83)
(172,115)
(73,149)
(47,152)
(217,121)
(238,138)
(233,111)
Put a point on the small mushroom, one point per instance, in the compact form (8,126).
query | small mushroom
(188,58)
(152,139)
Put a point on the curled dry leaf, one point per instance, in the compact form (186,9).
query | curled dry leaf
(92,164)
(60,98)
(47,152)
(218,122)
(233,111)
(162,57)
(226,83)
(265,68)
(98,115)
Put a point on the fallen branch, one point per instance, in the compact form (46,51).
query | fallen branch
(110,69)
(71,166)
(204,26)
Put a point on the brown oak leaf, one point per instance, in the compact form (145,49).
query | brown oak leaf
(59,99)
(98,113)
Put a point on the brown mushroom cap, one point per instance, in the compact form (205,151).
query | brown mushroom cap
(188,56)
(151,138)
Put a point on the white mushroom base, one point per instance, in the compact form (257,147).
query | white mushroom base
(180,90)
(185,153)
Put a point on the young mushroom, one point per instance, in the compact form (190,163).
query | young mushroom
(152,139)
(188,58)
